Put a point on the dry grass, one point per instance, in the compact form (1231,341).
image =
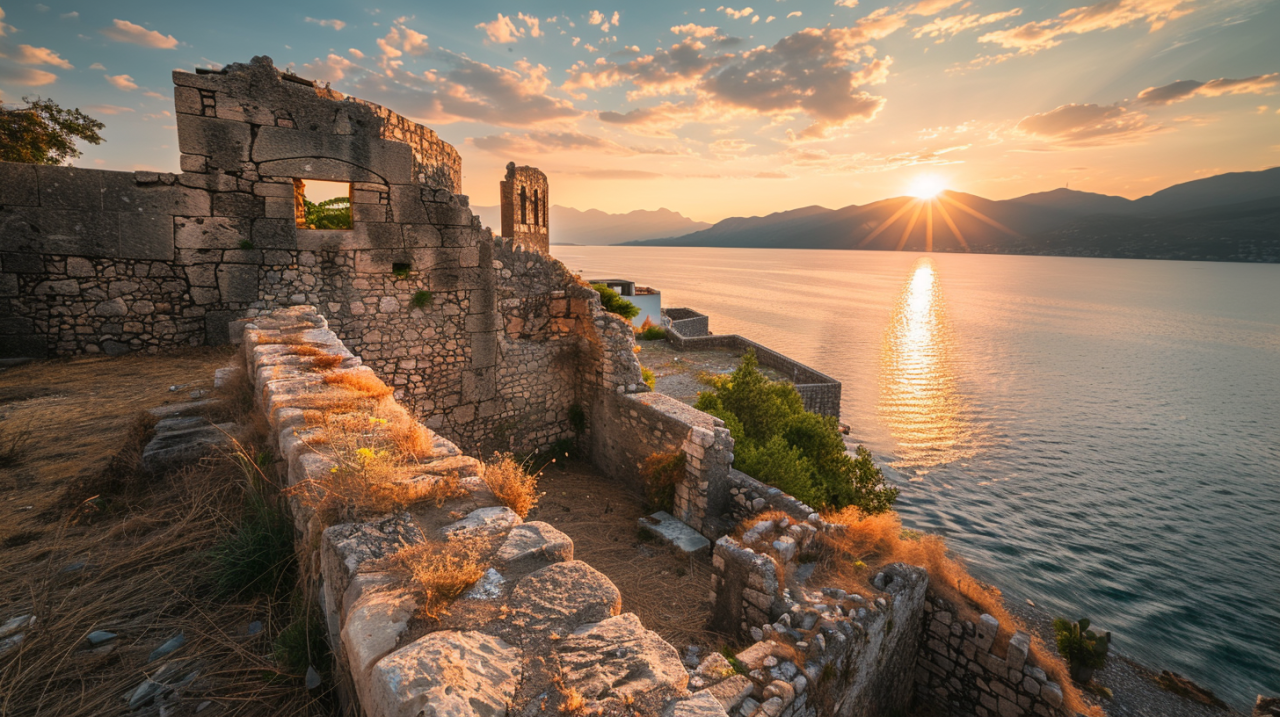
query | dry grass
(361,382)
(852,556)
(512,483)
(15,441)
(437,572)
(326,362)
(141,542)
(661,473)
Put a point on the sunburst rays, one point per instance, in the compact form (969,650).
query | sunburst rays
(926,205)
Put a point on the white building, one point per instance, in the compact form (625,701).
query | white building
(648,300)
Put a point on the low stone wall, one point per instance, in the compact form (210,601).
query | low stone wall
(820,392)
(687,322)
(748,496)
(959,672)
(535,630)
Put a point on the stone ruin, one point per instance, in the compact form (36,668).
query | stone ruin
(526,208)
(492,345)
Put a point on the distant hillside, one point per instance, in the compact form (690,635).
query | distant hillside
(1230,217)
(594,227)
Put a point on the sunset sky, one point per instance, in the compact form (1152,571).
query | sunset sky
(712,110)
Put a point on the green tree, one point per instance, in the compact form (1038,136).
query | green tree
(615,304)
(330,214)
(778,442)
(44,133)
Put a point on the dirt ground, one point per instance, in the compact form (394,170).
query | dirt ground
(91,543)
(682,374)
(668,593)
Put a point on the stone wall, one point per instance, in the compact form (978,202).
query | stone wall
(687,322)
(959,672)
(525,207)
(820,392)
(537,627)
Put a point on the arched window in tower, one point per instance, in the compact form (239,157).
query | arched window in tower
(524,206)
(537,207)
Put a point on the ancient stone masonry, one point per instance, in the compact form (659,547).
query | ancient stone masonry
(687,322)
(526,208)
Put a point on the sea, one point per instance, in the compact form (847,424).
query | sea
(1098,436)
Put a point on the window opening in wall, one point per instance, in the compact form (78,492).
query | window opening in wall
(524,206)
(537,208)
(401,269)
(322,205)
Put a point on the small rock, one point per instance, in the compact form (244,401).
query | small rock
(202,705)
(199,393)
(99,637)
(9,644)
(313,678)
(488,587)
(147,691)
(254,628)
(15,624)
(168,647)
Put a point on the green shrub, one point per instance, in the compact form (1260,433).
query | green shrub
(649,379)
(777,442)
(615,304)
(1080,646)
(302,644)
(422,299)
(330,214)
(258,557)
(653,333)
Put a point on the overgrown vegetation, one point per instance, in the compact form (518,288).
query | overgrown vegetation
(44,133)
(661,473)
(778,442)
(615,304)
(650,331)
(330,214)
(303,644)
(15,441)
(437,572)
(257,557)
(649,379)
(512,483)
(421,298)
(1084,650)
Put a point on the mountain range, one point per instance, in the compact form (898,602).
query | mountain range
(1228,217)
(593,227)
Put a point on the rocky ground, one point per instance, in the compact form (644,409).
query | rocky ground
(682,374)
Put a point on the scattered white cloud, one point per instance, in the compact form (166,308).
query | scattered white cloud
(122,82)
(735,14)
(796,13)
(28,55)
(1033,37)
(335,24)
(73,15)
(97,66)
(355,53)
(534,24)
(501,31)
(1087,125)
(1186,89)
(125,31)
(25,76)
(110,109)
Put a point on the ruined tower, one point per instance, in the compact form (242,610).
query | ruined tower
(526,208)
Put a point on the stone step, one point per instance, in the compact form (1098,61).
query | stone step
(666,528)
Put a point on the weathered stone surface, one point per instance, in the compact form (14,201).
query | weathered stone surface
(731,692)
(391,161)
(483,522)
(618,657)
(210,232)
(679,536)
(373,626)
(446,674)
(225,143)
(18,187)
(701,704)
(562,596)
(185,444)
(238,283)
(533,543)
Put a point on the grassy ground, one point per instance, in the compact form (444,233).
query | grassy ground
(91,543)
(601,518)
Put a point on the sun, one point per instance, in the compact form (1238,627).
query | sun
(927,186)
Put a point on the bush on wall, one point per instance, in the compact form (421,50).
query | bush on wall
(777,442)
(614,303)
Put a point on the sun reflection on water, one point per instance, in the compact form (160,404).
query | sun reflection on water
(919,401)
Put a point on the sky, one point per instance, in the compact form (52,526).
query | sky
(714,110)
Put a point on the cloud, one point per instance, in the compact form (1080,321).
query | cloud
(501,31)
(331,69)
(156,95)
(97,66)
(796,13)
(694,30)
(4,29)
(477,91)
(662,120)
(335,24)
(355,53)
(28,55)
(401,40)
(930,7)
(110,109)
(604,21)
(1033,37)
(729,148)
(25,76)
(772,175)
(1087,125)
(534,24)
(617,174)
(944,27)
(122,82)
(125,31)
(738,14)
(847,3)
(73,15)
(548,142)
(1186,89)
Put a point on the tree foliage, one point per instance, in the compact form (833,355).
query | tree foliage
(614,303)
(330,214)
(44,133)
(778,442)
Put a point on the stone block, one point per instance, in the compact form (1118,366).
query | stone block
(563,596)
(275,234)
(618,657)
(447,673)
(369,213)
(146,236)
(280,208)
(78,233)
(71,187)
(186,100)
(407,206)
(372,627)
(238,283)
(328,170)
(8,284)
(422,236)
(193,163)
(701,704)
(225,143)
(683,539)
(18,186)
(237,204)
(390,161)
(122,193)
(209,233)
(482,523)
(532,544)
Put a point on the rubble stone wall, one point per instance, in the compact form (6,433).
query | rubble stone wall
(958,670)
(687,322)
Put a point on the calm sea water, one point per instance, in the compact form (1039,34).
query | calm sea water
(1100,436)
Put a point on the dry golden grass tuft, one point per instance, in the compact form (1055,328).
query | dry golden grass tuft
(362,382)
(437,572)
(512,483)
(326,362)
(571,701)
(851,556)
(308,351)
